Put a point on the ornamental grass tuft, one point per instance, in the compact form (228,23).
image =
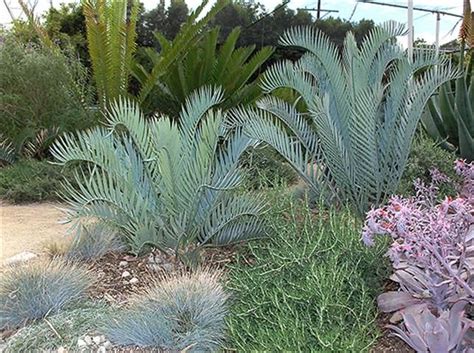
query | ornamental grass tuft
(34,291)
(182,312)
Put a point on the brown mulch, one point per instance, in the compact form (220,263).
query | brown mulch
(388,343)
(119,275)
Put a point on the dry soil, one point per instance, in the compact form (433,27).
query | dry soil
(28,227)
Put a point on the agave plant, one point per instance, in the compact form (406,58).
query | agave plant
(450,118)
(210,63)
(161,182)
(30,143)
(363,107)
(425,332)
(111,42)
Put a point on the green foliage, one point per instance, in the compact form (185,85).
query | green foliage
(450,118)
(93,241)
(310,287)
(32,181)
(36,290)
(264,167)
(209,63)
(70,325)
(163,183)
(261,28)
(181,313)
(111,35)
(355,137)
(425,155)
(167,21)
(67,28)
(188,35)
(42,94)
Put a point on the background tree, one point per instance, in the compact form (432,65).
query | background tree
(66,26)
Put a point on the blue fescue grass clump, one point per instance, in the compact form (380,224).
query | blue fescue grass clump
(60,330)
(34,291)
(183,312)
(310,286)
(93,241)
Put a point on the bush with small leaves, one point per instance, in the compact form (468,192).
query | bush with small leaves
(425,154)
(36,290)
(183,312)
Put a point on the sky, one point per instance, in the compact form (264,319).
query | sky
(424,23)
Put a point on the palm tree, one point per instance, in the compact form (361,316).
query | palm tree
(111,38)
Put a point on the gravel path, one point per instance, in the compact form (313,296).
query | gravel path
(27,227)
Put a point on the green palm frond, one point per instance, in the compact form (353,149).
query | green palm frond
(207,63)
(363,106)
(161,182)
(111,38)
(189,33)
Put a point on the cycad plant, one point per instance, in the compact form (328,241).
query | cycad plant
(211,63)
(164,183)
(188,36)
(363,107)
(111,37)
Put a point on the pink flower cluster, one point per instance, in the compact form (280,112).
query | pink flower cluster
(431,236)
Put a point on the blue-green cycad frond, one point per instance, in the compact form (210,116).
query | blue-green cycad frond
(163,182)
(362,106)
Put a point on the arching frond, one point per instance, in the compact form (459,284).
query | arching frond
(160,182)
(363,106)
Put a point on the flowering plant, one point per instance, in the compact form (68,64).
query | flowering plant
(432,251)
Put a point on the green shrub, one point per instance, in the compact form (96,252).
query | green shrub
(61,330)
(32,181)
(425,154)
(41,93)
(266,168)
(185,312)
(311,286)
(34,291)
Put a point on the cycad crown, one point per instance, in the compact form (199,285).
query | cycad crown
(363,106)
(162,182)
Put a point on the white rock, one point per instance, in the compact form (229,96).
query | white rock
(151,259)
(81,343)
(167,267)
(62,350)
(88,340)
(20,258)
(107,345)
(134,280)
(97,340)
(123,263)
(101,350)
(125,274)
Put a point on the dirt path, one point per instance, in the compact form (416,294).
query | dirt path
(27,227)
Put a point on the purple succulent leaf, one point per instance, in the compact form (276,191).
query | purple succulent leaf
(411,278)
(394,301)
(415,321)
(413,341)
(455,318)
(437,337)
